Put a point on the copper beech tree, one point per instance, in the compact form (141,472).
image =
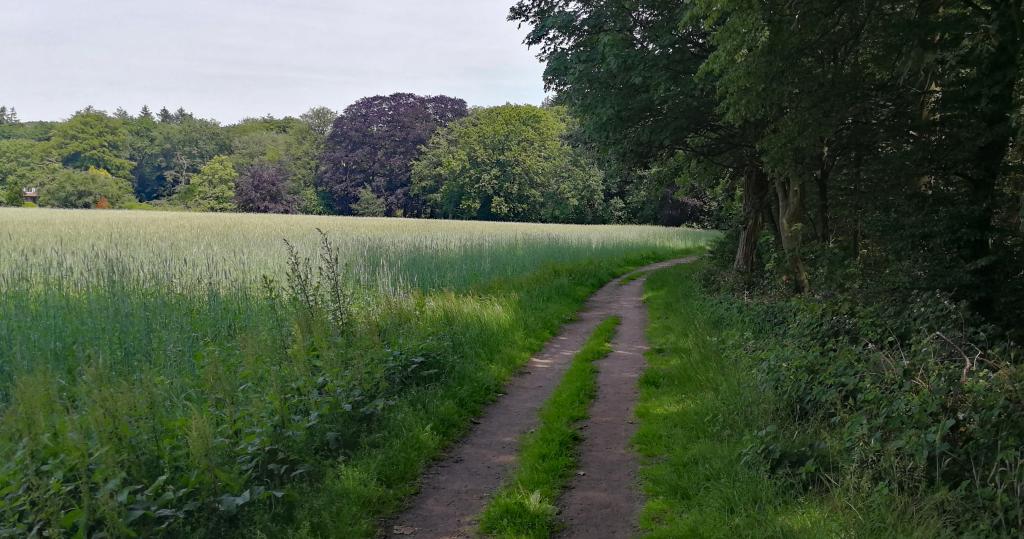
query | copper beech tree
(373,144)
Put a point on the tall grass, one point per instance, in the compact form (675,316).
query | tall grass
(191,375)
(229,249)
(125,285)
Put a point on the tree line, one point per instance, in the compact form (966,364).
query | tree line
(881,132)
(394,155)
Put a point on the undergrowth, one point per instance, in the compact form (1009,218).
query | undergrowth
(703,412)
(884,382)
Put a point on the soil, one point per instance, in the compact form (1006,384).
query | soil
(603,499)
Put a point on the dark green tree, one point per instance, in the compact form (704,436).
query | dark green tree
(369,204)
(166,154)
(94,140)
(85,189)
(24,164)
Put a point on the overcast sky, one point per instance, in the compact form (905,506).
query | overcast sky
(228,59)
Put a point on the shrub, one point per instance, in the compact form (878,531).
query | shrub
(368,204)
(76,189)
(213,188)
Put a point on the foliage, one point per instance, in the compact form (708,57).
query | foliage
(261,139)
(289,143)
(37,131)
(374,142)
(867,158)
(24,164)
(320,121)
(700,405)
(509,163)
(377,141)
(525,506)
(263,188)
(77,189)
(368,204)
(213,188)
(631,84)
(168,153)
(916,396)
(648,103)
(8,117)
(93,140)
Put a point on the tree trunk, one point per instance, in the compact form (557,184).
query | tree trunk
(821,178)
(771,213)
(858,223)
(999,75)
(755,193)
(1020,213)
(791,197)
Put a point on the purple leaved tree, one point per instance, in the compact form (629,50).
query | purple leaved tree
(263,188)
(373,144)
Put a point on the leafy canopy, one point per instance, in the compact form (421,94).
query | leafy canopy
(213,188)
(94,140)
(374,142)
(508,163)
(263,188)
(85,189)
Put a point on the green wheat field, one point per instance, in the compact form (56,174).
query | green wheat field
(179,374)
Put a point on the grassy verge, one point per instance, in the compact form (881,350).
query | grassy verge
(699,408)
(525,507)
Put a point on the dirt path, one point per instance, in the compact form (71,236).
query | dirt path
(455,489)
(603,499)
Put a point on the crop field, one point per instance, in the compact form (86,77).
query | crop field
(76,247)
(215,374)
